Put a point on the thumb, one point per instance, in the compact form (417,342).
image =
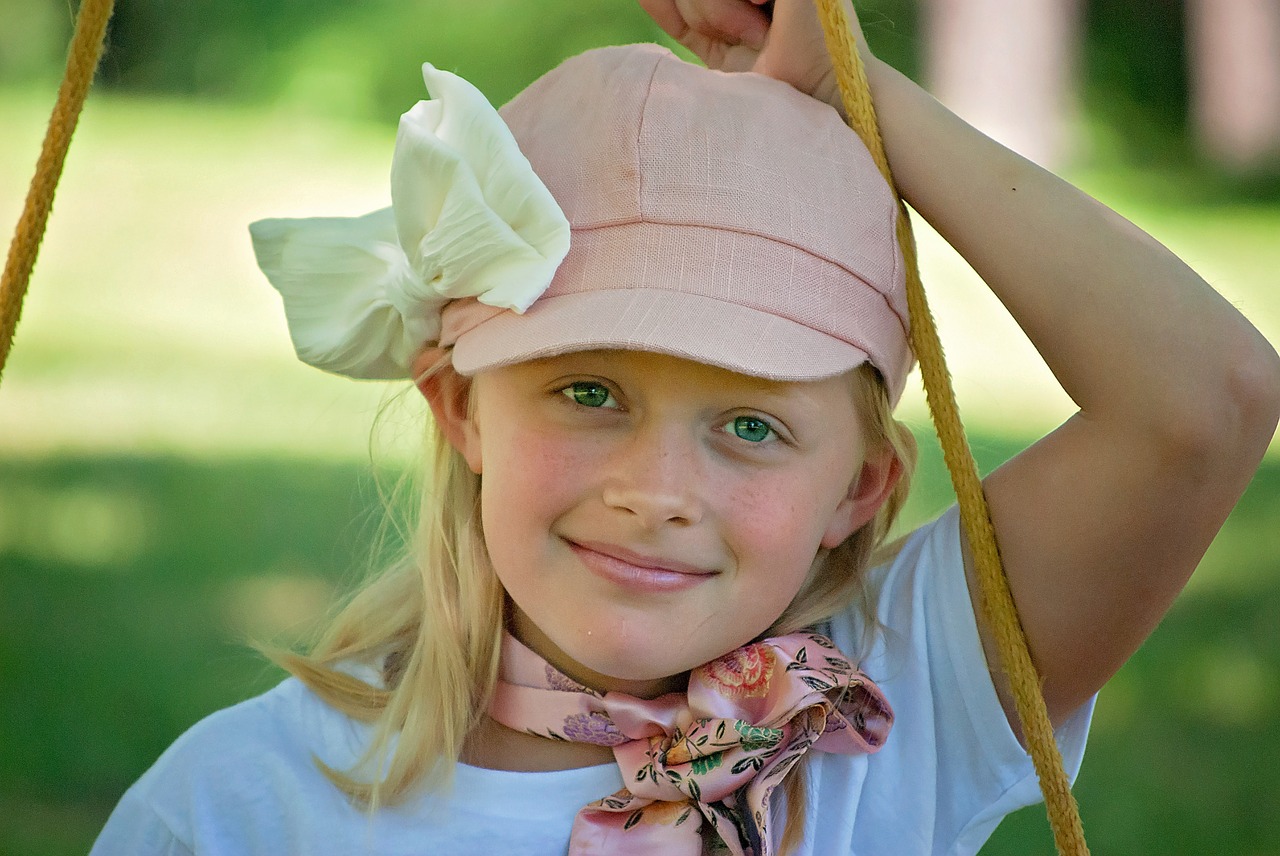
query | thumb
(795,51)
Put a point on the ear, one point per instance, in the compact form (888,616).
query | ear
(867,494)
(449,395)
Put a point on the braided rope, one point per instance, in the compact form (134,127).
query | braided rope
(82,62)
(996,602)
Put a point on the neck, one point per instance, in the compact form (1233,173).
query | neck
(535,640)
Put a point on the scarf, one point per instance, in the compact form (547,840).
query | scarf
(710,757)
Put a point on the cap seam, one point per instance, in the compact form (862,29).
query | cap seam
(860,345)
(884,295)
(644,114)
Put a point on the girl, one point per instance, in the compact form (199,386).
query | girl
(661,354)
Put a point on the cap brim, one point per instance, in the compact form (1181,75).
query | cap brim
(691,326)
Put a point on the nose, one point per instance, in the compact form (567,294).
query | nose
(655,476)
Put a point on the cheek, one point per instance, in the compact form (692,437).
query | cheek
(778,522)
(530,478)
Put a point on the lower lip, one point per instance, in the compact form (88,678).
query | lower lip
(636,577)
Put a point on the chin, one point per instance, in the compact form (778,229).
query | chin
(643,667)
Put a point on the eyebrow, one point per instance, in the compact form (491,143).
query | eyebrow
(788,396)
(763,392)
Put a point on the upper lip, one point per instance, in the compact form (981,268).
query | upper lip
(642,560)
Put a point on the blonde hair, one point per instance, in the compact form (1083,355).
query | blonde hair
(434,621)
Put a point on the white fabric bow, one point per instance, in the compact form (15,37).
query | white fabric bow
(468,218)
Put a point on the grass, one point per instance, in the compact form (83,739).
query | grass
(149,326)
(131,584)
(173,483)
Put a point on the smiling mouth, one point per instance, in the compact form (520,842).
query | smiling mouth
(636,571)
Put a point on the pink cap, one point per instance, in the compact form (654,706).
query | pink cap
(723,218)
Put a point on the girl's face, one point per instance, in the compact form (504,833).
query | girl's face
(647,514)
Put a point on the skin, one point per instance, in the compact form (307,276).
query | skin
(591,458)
(1100,523)
(652,471)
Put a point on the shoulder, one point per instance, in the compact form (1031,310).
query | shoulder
(918,637)
(245,780)
(286,727)
(901,570)
(238,778)
(905,585)
(951,767)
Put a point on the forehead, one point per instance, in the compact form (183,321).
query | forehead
(659,371)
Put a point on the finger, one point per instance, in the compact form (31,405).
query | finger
(724,34)
(796,48)
(802,16)
(733,22)
(796,51)
(667,16)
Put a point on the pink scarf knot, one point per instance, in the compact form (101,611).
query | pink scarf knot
(709,758)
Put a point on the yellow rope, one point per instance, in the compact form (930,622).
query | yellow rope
(996,602)
(82,61)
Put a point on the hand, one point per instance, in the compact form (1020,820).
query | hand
(740,35)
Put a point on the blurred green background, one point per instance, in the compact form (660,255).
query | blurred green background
(173,483)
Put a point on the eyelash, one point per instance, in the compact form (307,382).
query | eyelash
(579,388)
(733,426)
(582,386)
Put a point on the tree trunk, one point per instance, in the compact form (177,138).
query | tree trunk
(1234,49)
(1008,67)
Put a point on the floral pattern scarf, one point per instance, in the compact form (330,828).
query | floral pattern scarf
(699,766)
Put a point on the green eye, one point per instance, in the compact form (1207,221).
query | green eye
(751,429)
(588,393)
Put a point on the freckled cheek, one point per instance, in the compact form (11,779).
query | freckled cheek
(529,470)
(776,522)
(526,488)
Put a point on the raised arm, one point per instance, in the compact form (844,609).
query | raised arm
(1100,523)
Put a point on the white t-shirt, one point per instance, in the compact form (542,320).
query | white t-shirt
(243,781)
